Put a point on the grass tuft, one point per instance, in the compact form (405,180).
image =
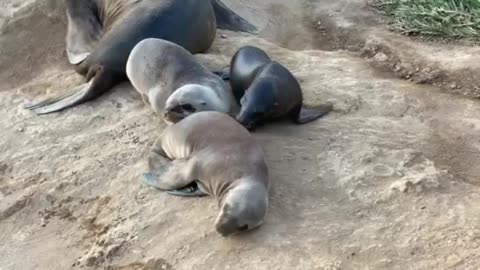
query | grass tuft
(452,19)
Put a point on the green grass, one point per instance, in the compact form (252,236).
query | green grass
(453,19)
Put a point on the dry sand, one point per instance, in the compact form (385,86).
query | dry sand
(389,180)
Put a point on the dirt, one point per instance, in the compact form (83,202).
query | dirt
(354,25)
(387,181)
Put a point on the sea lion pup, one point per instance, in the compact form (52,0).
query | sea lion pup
(102,33)
(173,83)
(213,154)
(243,68)
(267,90)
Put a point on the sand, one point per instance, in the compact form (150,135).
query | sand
(389,180)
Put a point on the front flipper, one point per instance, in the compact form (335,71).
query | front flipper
(229,20)
(192,190)
(84,29)
(151,180)
(103,81)
(306,115)
(170,176)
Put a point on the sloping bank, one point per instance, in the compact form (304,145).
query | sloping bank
(356,26)
(389,180)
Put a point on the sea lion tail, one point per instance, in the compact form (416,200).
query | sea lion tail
(229,20)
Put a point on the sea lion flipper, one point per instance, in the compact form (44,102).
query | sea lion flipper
(229,20)
(102,81)
(151,180)
(191,190)
(170,176)
(309,114)
(84,29)
(63,101)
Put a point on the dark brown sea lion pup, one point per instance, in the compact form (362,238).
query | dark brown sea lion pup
(267,90)
(213,154)
(174,83)
(102,33)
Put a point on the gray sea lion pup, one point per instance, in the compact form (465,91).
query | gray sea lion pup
(174,83)
(267,90)
(212,154)
(102,33)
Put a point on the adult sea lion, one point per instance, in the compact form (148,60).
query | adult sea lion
(213,154)
(267,90)
(102,33)
(174,83)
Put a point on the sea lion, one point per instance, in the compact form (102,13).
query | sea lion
(102,33)
(209,153)
(267,90)
(174,83)
(243,68)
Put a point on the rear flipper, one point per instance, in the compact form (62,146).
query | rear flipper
(172,176)
(84,29)
(102,81)
(305,115)
(229,20)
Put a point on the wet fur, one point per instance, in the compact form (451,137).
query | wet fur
(268,90)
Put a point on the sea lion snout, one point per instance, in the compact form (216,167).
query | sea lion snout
(226,226)
(247,120)
(244,209)
(178,112)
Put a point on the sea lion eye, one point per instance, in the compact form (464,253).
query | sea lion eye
(204,104)
(243,228)
(188,107)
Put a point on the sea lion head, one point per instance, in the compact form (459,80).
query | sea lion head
(257,104)
(189,99)
(243,208)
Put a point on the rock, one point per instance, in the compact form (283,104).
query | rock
(380,57)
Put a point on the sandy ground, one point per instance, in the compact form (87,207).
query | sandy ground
(389,180)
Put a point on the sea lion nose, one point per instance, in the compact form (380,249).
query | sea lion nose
(247,124)
(168,110)
(225,231)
